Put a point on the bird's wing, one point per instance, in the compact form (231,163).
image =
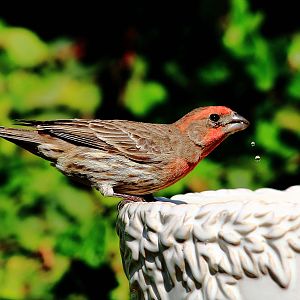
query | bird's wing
(138,141)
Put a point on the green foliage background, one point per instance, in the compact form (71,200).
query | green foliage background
(58,238)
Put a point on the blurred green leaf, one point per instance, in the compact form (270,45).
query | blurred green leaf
(2,83)
(23,278)
(87,246)
(142,96)
(209,172)
(239,177)
(23,47)
(173,70)
(288,118)
(267,136)
(294,52)
(39,210)
(5,108)
(17,277)
(139,67)
(30,232)
(8,217)
(75,203)
(243,39)
(30,91)
(242,24)
(262,68)
(92,247)
(294,86)
(83,96)
(214,73)
(262,170)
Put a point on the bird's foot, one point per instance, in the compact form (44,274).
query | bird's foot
(130,198)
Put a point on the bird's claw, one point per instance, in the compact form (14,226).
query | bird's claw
(128,199)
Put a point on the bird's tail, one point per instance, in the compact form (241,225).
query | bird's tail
(35,142)
(27,139)
(19,136)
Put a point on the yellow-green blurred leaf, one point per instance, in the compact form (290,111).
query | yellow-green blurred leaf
(76,203)
(23,47)
(84,96)
(5,108)
(17,277)
(238,177)
(209,172)
(140,96)
(140,67)
(31,232)
(288,118)
(294,52)
(24,278)
(30,91)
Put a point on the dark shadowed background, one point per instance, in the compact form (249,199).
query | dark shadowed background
(149,62)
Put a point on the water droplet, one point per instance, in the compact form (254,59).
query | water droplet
(252,144)
(257,158)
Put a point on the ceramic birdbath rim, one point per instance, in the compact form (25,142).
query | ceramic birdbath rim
(213,245)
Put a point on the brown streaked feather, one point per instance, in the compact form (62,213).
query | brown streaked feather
(131,139)
(125,157)
(21,135)
(27,139)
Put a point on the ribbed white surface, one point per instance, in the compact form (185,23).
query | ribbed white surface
(217,245)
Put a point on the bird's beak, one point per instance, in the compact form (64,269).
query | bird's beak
(235,123)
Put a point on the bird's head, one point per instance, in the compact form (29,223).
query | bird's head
(208,126)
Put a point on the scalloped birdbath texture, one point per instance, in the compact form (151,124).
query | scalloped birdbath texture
(225,244)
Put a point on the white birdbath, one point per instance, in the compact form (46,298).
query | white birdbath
(225,244)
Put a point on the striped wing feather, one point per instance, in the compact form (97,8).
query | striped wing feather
(138,141)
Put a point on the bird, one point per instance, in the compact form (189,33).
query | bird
(127,159)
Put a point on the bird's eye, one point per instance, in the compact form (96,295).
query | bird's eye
(214,117)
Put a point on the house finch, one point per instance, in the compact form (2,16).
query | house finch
(124,158)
